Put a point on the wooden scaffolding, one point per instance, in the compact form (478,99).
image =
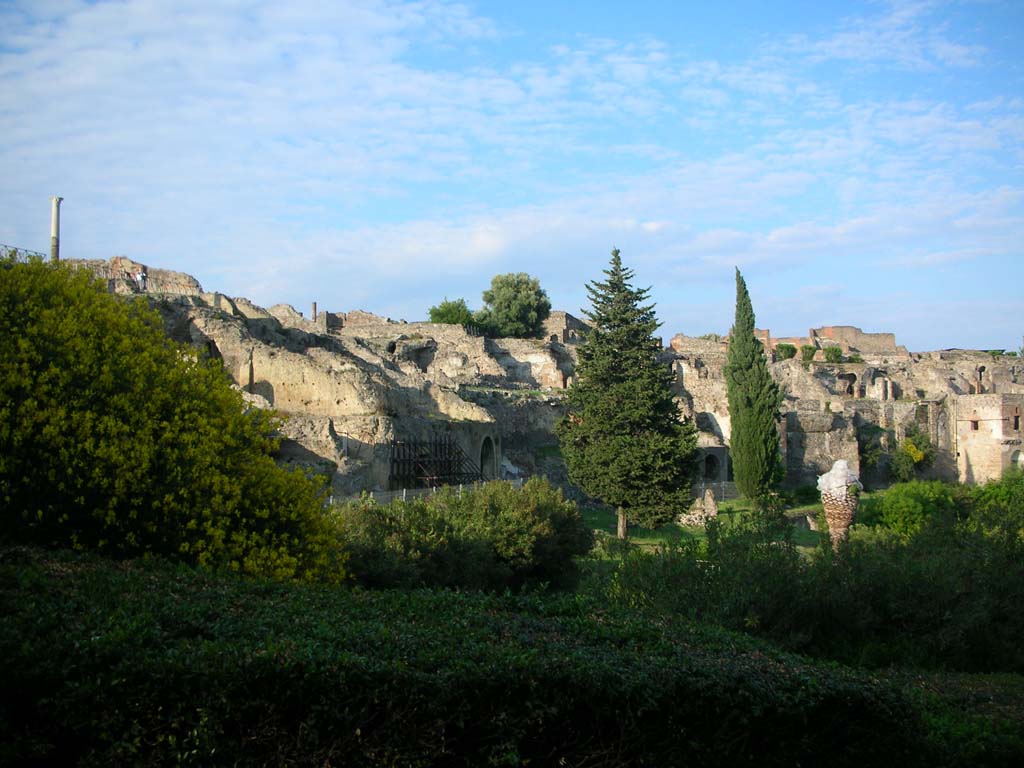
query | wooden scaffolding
(435,461)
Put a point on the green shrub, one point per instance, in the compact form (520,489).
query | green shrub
(833,355)
(803,495)
(785,351)
(493,537)
(807,352)
(906,508)
(914,454)
(997,508)
(114,439)
(943,597)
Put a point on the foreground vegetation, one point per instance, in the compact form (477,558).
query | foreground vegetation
(214,611)
(147,663)
(114,439)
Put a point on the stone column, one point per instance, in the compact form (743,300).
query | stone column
(55,228)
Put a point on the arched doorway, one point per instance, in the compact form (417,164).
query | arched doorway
(711,467)
(488,466)
(849,383)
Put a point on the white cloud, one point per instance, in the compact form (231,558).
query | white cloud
(905,35)
(292,149)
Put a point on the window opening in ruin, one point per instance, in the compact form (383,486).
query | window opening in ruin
(851,382)
(711,466)
(1016,423)
(974,425)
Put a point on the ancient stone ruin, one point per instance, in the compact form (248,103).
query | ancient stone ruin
(357,390)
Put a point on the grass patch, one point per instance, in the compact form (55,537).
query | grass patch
(548,452)
(605,520)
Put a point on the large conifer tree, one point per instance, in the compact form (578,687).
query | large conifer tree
(754,400)
(623,441)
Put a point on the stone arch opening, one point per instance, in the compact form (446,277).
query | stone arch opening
(1017,460)
(212,352)
(849,382)
(711,467)
(488,465)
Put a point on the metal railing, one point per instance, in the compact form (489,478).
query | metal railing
(407,494)
(19,254)
(722,489)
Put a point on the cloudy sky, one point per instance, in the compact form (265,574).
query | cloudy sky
(860,163)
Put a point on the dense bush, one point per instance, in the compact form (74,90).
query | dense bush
(906,507)
(493,537)
(116,440)
(914,454)
(945,595)
(147,665)
(833,355)
(785,351)
(997,508)
(807,352)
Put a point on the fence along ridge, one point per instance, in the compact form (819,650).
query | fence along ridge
(405,494)
(19,254)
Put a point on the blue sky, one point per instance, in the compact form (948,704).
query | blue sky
(861,163)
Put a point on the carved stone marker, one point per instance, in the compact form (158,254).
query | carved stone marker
(839,488)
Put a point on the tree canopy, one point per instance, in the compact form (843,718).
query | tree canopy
(623,440)
(451,312)
(114,439)
(754,401)
(514,306)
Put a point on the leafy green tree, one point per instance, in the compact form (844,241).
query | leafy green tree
(623,440)
(514,306)
(451,312)
(807,352)
(833,355)
(754,400)
(114,439)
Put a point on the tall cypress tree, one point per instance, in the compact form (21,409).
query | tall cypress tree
(754,400)
(623,440)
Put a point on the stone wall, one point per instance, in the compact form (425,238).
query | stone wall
(853,339)
(988,435)
(564,328)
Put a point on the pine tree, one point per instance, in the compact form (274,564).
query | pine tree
(754,400)
(622,440)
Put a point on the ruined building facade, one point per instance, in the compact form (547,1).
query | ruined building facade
(372,403)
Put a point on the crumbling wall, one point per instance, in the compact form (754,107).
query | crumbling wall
(814,439)
(852,339)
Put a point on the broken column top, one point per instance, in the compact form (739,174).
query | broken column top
(838,479)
